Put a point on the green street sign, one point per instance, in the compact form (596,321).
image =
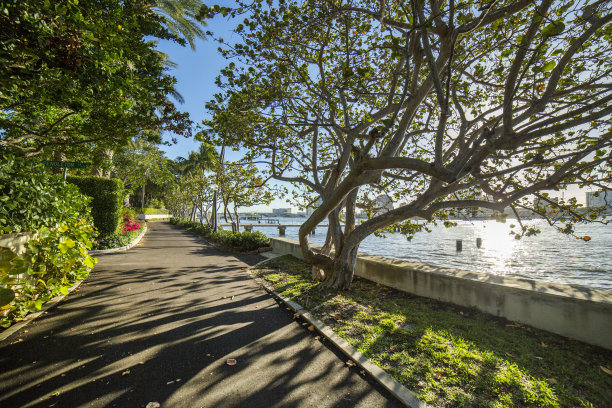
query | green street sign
(66,164)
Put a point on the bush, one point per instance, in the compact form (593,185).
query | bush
(57,255)
(129,223)
(239,241)
(107,201)
(30,199)
(155,203)
(129,230)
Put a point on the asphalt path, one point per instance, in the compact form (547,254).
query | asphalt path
(158,324)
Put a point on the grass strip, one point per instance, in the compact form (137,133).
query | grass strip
(449,355)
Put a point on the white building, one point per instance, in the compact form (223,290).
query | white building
(282,212)
(601,198)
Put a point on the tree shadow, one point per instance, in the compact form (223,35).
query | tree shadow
(158,323)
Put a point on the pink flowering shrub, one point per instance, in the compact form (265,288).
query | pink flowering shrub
(129,223)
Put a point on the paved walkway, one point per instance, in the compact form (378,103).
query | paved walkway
(158,323)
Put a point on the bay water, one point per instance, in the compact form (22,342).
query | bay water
(549,256)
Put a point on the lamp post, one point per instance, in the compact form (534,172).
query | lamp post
(214,188)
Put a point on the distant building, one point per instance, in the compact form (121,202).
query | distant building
(601,198)
(383,204)
(310,210)
(282,212)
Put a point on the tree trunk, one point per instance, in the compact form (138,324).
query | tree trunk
(101,165)
(58,156)
(192,217)
(237,219)
(317,272)
(341,271)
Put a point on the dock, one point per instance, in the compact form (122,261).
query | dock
(281,227)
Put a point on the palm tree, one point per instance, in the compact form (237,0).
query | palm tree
(180,17)
(205,158)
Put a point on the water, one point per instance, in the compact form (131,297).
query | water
(550,256)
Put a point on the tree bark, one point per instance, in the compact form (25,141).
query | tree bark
(317,272)
(237,219)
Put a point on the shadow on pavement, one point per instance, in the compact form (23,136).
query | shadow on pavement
(158,324)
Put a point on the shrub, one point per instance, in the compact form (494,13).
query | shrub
(155,203)
(239,241)
(30,199)
(57,255)
(129,230)
(129,223)
(107,201)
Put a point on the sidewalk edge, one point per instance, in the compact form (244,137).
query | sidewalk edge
(31,317)
(123,248)
(402,393)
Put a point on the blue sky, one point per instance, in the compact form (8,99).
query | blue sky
(196,73)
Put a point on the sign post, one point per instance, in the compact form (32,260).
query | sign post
(65,165)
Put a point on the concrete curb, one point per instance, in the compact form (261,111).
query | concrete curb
(123,248)
(403,394)
(29,318)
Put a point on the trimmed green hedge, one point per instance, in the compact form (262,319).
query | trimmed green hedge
(239,241)
(107,201)
(150,210)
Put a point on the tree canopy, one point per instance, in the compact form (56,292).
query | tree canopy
(440,105)
(81,74)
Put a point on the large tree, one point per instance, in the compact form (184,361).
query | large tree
(83,76)
(444,105)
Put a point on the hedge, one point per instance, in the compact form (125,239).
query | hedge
(239,241)
(107,201)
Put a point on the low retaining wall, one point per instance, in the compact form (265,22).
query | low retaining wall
(569,310)
(153,216)
(16,242)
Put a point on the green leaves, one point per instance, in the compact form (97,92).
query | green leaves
(554,28)
(6,296)
(56,256)
(75,72)
(549,66)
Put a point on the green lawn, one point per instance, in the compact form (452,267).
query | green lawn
(449,355)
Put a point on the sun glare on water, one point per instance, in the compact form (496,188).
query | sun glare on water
(497,244)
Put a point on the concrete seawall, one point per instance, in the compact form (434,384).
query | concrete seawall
(573,311)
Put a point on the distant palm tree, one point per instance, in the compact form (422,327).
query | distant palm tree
(205,158)
(181,18)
